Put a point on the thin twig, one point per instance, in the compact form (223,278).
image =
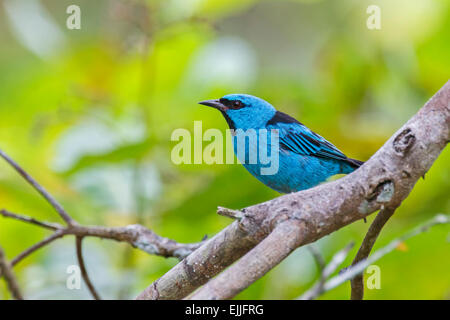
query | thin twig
(326,271)
(357,283)
(53,202)
(56,235)
(48,225)
(318,258)
(84,273)
(230,213)
(6,270)
(358,268)
(320,262)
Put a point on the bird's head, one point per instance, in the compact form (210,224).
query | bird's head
(243,111)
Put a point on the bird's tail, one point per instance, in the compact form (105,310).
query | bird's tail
(354,163)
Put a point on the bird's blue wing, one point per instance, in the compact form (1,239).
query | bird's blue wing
(296,137)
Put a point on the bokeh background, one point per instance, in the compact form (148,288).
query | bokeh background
(89,113)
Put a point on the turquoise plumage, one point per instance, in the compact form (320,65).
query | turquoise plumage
(304,158)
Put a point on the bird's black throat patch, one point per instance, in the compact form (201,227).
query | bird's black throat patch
(229,121)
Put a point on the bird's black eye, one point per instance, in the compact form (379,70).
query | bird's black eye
(237,104)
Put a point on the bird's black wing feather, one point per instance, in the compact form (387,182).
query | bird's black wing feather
(296,137)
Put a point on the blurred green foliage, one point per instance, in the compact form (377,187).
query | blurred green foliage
(89,114)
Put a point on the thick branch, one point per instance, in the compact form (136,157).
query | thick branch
(383,181)
(266,255)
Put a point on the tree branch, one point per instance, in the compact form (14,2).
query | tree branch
(136,235)
(383,181)
(6,269)
(56,235)
(320,262)
(331,267)
(47,225)
(230,213)
(266,255)
(84,273)
(53,202)
(357,283)
(359,268)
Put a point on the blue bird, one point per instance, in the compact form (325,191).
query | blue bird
(305,159)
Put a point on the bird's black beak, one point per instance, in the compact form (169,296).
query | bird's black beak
(214,103)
